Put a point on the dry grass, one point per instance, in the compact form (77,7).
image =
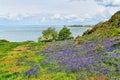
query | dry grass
(98,78)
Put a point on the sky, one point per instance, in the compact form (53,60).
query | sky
(56,12)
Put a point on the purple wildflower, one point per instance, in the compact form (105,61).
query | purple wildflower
(118,67)
(32,71)
(115,54)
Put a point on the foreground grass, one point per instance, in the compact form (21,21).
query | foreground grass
(28,61)
(10,55)
(18,57)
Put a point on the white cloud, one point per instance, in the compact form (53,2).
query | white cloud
(43,19)
(116,2)
(15,7)
(111,3)
(76,0)
(59,11)
(57,16)
(70,16)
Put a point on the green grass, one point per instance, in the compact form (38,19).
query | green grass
(9,58)
(12,69)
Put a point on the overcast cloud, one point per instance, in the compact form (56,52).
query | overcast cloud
(47,12)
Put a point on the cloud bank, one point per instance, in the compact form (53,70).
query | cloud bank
(50,12)
(109,3)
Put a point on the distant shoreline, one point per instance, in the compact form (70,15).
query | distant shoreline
(77,26)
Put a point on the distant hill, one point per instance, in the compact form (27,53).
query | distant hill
(110,28)
(80,26)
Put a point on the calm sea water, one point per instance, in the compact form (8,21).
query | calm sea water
(24,33)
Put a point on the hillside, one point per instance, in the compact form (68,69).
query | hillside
(110,28)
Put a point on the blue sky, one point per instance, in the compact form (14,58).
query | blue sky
(56,12)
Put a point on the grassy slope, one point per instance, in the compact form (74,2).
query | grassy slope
(110,28)
(11,52)
(13,69)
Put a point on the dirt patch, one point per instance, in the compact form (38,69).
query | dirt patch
(14,68)
(21,48)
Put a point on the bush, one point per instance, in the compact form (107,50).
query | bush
(3,40)
(48,35)
(65,34)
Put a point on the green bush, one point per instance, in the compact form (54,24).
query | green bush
(48,35)
(64,34)
(3,40)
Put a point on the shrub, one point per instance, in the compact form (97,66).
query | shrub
(3,40)
(65,34)
(49,34)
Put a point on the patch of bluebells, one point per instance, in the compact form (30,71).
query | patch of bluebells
(115,55)
(86,56)
(32,71)
(118,67)
(110,45)
(108,42)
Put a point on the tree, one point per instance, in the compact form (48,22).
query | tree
(49,34)
(64,34)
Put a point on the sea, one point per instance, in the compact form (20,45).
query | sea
(33,32)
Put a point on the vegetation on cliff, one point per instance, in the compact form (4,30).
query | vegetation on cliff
(110,28)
